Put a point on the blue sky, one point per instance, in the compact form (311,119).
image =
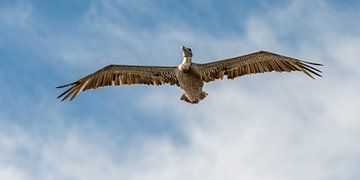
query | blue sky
(273,126)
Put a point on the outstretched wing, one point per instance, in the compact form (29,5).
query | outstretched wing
(119,75)
(258,62)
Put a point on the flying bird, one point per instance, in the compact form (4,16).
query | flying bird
(189,76)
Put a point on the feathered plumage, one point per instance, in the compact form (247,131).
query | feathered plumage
(189,76)
(121,75)
(258,62)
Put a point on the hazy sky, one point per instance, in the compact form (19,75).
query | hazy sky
(276,126)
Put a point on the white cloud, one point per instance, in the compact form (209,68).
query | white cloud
(274,126)
(11,173)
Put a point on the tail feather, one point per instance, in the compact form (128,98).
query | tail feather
(202,96)
(184,98)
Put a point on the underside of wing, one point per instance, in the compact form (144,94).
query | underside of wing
(258,62)
(121,75)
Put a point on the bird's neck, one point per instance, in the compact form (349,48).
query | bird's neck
(185,65)
(186,60)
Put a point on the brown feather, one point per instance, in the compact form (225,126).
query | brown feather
(119,75)
(258,62)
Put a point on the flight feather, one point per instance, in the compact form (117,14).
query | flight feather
(259,62)
(121,75)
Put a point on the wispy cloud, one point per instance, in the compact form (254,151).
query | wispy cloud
(274,126)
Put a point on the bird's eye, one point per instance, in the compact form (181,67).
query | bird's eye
(189,49)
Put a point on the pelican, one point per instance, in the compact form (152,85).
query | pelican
(189,76)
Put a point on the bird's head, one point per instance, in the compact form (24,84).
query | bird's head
(186,51)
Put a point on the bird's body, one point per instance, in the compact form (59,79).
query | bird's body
(191,83)
(189,76)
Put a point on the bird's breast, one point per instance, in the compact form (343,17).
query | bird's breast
(190,80)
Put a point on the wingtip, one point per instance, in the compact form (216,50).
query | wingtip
(68,92)
(61,95)
(66,85)
(319,75)
(316,64)
(62,86)
(312,73)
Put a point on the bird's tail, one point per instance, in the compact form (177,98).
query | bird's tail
(202,96)
(184,98)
